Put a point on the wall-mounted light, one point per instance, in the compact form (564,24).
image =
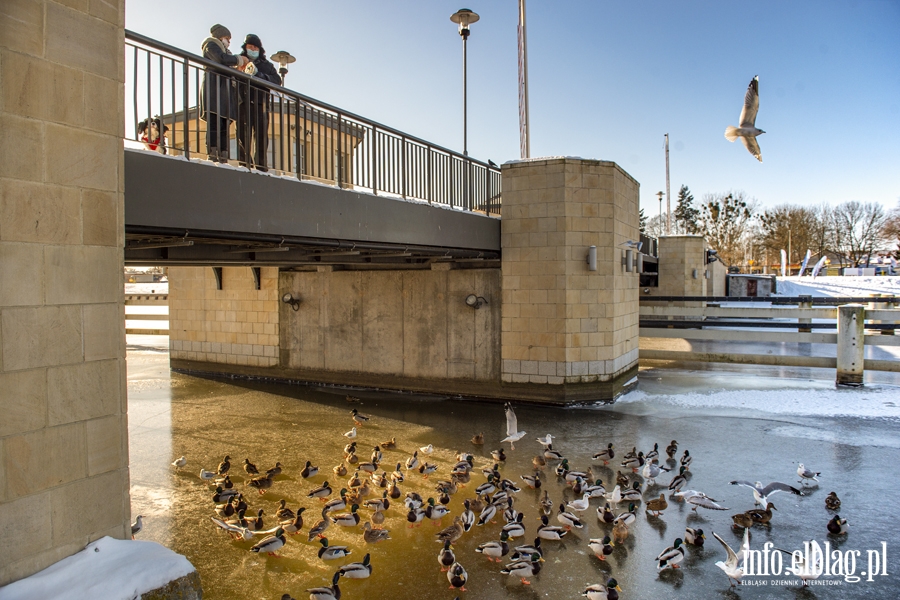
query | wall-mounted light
(639,262)
(475,302)
(695,274)
(289,299)
(592,258)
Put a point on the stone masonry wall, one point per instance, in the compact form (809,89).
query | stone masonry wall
(63,429)
(235,325)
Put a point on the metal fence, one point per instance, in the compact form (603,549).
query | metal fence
(304,137)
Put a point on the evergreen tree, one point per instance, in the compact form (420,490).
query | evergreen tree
(642,223)
(685,214)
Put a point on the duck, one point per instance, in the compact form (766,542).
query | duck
(239,520)
(413,461)
(495,550)
(628,517)
(225,482)
(275,471)
(137,526)
(634,463)
(453,532)
(360,570)
(467,516)
(256,523)
(598,591)
(742,520)
(358,417)
(446,557)
(633,494)
(327,593)
(435,512)
(551,454)
(224,495)
(457,577)
(352,399)
(606,455)
(368,467)
(179,462)
(352,458)
(351,435)
(686,460)
(546,531)
(562,469)
(355,481)
(838,526)
(427,468)
(350,519)
(415,516)
(651,471)
(487,514)
(394,491)
(389,444)
(250,468)
(319,528)
(373,536)
(524,569)
(239,503)
(339,470)
(567,519)
(679,480)
(413,500)
(207,475)
(487,487)
(271,544)
(498,455)
(615,496)
(226,509)
(224,466)
(478,439)
(671,556)
(339,503)
(397,475)
(283,511)
(621,479)
(658,505)
(427,450)
(832,502)
(573,476)
(601,548)
(532,481)
(296,524)
(694,537)
(671,449)
(605,514)
(580,505)
(261,484)
(382,503)
(350,448)
(327,552)
(653,453)
(762,516)
(631,453)
(538,462)
(377,455)
(309,471)
(516,528)
(546,503)
(447,487)
(321,492)
(578,486)
(620,532)
(510,514)
(377,518)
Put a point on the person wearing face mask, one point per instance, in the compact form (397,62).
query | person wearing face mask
(218,94)
(253,108)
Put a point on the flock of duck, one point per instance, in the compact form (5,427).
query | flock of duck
(494,499)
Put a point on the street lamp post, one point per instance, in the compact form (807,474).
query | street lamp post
(464,17)
(283,58)
(660,194)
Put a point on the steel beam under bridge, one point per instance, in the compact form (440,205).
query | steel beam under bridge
(179,212)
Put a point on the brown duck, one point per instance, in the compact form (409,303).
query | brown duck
(742,520)
(658,505)
(762,516)
(832,502)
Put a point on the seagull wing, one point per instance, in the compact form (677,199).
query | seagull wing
(752,146)
(705,502)
(776,486)
(732,557)
(752,486)
(751,104)
(512,424)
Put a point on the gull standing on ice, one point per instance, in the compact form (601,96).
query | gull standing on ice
(747,130)
(512,427)
(546,440)
(805,474)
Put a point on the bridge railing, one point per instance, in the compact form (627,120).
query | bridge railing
(307,138)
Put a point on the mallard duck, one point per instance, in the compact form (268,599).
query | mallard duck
(605,514)
(633,494)
(550,532)
(358,417)
(446,557)
(567,519)
(350,448)
(671,556)
(761,494)
(495,550)
(742,520)
(578,486)
(357,570)
(546,503)
(694,537)
(832,502)
(628,517)
(261,484)
(551,454)
(397,475)
(435,512)
(413,461)
(327,552)
(427,468)
(382,503)
(309,471)
(631,453)
(733,566)
(615,496)
(528,549)
(652,470)
(283,511)
(327,593)
(487,514)
(321,492)
(225,482)
(207,475)
(296,524)
(377,518)
(338,503)
(562,469)
(351,435)
(524,568)
(447,487)
(508,486)
(532,481)
(350,519)
(226,509)
(516,528)
(621,479)
(573,476)
(415,516)
(838,526)
(137,526)
(271,544)
(498,455)
(477,504)
(394,491)
(605,455)
(389,444)
(355,481)
(499,499)
(539,462)
(368,467)
(224,466)
(256,523)
(806,475)
(597,591)
(510,514)
(319,528)
(224,495)
(352,459)
(678,481)
(580,505)
(377,455)
(467,516)
(457,577)
(478,439)
(239,503)
(250,468)
(634,463)
(671,449)
(352,399)
(601,548)
(179,462)
(653,454)
(339,470)
(274,471)
(373,536)
(486,487)
(657,506)
(620,532)
(686,460)
(413,500)
(453,532)
(762,516)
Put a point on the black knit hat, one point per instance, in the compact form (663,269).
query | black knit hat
(219,31)
(253,40)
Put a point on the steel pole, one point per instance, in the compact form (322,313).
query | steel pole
(465,97)
(668,192)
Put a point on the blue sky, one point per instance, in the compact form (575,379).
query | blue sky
(606,80)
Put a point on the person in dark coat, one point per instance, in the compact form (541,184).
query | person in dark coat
(218,94)
(253,106)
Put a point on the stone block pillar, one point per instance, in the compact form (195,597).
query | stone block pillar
(568,334)
(682,265)
(63,427)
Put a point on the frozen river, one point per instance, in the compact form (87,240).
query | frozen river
(735,425)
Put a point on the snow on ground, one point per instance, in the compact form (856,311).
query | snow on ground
(108,568)
(838,286)
(157,287)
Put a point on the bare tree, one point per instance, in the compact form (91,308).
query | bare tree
(795,229)
(725,222)
(892,230)
(655,226)
(858,230)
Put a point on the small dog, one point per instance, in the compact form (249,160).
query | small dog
(148,132)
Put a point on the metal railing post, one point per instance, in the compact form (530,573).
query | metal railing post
(850,344)
(806,304)
(185,100)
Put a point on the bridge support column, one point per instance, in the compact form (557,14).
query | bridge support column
(850,344)
(569,334)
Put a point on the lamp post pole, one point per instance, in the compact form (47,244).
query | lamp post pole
(464,17)
(660,194)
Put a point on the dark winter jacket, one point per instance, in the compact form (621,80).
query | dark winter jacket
(265,71)
(218,93)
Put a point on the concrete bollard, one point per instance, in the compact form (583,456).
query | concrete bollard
(850,344)
(805,304)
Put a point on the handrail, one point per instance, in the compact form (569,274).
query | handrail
(820,300)
(301,135)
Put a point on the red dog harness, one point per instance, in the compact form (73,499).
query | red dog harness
(152,145)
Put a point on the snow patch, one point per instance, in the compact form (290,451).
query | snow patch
(839,286)
(108,568)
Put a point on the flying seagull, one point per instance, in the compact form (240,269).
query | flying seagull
(512,427)
(747,130)
(761,493)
